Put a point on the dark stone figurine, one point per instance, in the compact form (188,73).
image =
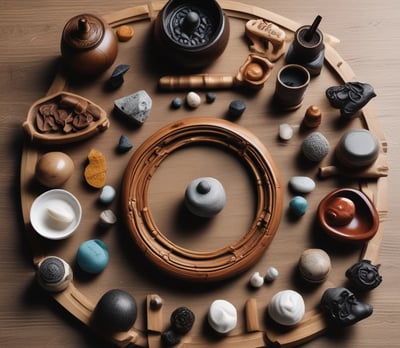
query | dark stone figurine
(364,275)
(342,308)
(350,97)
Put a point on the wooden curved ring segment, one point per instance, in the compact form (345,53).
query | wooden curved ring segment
(202,265)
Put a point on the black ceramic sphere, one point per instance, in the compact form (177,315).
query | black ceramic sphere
(364,275)
(115,312)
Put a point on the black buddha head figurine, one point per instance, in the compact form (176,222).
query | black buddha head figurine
(342,307)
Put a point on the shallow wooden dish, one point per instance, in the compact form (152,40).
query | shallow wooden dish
(59,137)
(128,268)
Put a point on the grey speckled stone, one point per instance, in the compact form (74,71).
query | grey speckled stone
(136,107)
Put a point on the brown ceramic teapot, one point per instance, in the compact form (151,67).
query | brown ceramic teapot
(88,45)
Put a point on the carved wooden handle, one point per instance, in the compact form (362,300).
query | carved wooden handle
(199,81)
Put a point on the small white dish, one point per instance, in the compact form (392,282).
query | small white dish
(60,225)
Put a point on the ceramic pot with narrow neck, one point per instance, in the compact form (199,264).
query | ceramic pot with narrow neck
(191,33)
(88,45)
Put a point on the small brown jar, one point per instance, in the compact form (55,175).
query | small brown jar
(88,45)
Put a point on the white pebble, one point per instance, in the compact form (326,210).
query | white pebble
(60,215)
(286,307)
(285,131)
(107,194)
(302,184)
(222,316)
(272,274)
(256,280)
(193,100)
(107,218)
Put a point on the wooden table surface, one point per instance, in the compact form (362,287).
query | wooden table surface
(30,34)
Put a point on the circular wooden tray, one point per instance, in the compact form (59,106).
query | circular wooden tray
(129,270)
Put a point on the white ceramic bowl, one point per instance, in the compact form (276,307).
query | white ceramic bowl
(67,209)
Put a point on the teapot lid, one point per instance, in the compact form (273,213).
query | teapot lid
(83,31)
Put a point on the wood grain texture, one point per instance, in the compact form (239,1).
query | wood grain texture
(29,48)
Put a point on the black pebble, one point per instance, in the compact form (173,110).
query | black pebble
(236,108)
(115,312)
(124,144)
(170,338)
(182,320)
(210,97)
(176,103)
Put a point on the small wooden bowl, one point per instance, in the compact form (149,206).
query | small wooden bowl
(364,224)
(99,124)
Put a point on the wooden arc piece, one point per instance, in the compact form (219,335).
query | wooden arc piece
(202,265)
(313,324)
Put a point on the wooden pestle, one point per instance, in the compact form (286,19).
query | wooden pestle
(253,74)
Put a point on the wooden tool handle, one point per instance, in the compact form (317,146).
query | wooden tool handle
(200,81)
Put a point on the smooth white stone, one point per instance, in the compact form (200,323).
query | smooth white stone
(60,215)
(272,274)
(193,100)
(107,194)
(107,218)
(256,280)
(285,131)
(286,307)
(302,184)
(222,316)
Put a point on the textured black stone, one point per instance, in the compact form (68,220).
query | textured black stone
(364,275)
(182,320)
(51,270)
(350,97)
(170,338)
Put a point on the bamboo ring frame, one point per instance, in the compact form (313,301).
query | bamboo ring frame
(313,324)
(207,265)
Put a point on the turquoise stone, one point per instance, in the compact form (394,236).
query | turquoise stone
(92,256)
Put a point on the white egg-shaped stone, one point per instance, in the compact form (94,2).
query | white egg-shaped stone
(302,184)
(256,280)
(193,100)
(285,131)
(222,316)
(271,274)
(286,307)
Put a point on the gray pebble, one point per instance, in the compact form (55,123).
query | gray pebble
(136,107)
(315,147)
(302,184)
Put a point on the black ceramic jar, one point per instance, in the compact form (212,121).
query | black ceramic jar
(191,34)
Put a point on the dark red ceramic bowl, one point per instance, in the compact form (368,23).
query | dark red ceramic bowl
(361,227)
